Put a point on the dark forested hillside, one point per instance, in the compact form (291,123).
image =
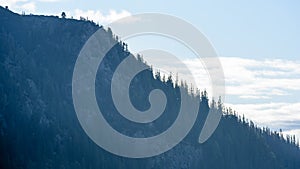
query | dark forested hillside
(38,123)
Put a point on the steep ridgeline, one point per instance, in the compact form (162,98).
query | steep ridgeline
(38,124)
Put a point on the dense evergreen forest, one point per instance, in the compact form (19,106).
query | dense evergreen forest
(38,123)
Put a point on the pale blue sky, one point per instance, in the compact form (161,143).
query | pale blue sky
(255,28)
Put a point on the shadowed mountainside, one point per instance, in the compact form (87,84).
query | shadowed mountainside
(39,127)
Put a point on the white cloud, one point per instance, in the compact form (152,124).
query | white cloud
(262,83)
(100,17)
(244,78)
(19,5)
(49,0)
(295,132)
(261,77)
(10,3)
(28,7)
(269,113)
(277,116)
(249,78)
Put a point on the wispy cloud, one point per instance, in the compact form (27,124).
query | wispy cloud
(49,0)
(260,78)
(262,89)
(280,115)
(253,79)
(244,78)
(275,115)
(20,5)
(28,7)
(99,16)
(295,132)
(11,3)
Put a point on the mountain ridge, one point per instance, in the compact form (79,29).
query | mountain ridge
(37,56)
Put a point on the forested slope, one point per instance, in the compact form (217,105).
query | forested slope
(38,123)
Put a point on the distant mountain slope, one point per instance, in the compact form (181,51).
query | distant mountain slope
(39,127)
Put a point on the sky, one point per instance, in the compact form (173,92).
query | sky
(257,43)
